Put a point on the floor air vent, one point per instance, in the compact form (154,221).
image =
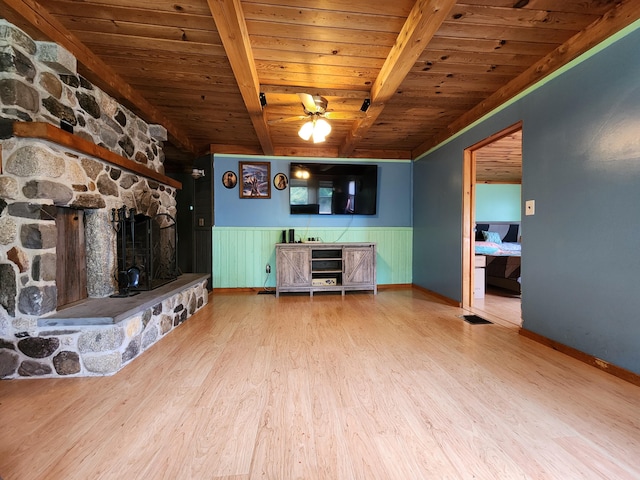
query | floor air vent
(475,320)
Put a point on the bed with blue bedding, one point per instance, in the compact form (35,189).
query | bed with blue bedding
(500,243)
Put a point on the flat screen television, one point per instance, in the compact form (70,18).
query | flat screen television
(333,188)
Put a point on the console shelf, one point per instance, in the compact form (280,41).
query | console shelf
(316,267)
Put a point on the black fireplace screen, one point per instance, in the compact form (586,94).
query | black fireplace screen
(147,251)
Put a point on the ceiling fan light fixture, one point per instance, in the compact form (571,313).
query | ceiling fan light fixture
(318,129)
(317,138)
(306,131)
(322,127)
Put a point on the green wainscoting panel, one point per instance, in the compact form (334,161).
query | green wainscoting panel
(240,254)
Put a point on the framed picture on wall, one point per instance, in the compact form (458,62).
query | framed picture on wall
(280,181)
(255,178)
(229,179)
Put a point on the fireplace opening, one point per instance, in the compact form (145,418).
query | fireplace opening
(146,251)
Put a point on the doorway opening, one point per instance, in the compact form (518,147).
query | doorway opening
(494,161)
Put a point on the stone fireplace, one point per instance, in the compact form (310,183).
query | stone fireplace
(39,339)
(38,179)
(58,242)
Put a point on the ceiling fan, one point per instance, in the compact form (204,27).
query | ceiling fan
(315,111)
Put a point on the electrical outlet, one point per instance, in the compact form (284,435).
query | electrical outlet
(268,269)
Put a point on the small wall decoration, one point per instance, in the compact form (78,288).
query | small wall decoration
(256,179)
(229,179)
(280,181)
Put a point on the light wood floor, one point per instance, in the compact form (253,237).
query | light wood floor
(499,306)
(389,387)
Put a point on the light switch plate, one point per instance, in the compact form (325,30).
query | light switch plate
(530,207)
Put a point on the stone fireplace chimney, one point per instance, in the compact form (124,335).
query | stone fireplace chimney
(38,83)
(111,159)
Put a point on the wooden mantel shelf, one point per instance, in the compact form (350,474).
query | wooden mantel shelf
(51,133)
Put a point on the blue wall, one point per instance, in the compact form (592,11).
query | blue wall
(246,230)
(394,198)
(581,163)
(497,202)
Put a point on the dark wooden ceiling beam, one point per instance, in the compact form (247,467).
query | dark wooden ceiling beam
(98,72)
(619,17)
(422,23)
(232,28)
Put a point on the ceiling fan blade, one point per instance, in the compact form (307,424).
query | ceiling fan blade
(343,115)
(308,102)
(287,119)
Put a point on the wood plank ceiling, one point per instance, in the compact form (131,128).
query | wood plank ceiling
(501,160)
(427,67)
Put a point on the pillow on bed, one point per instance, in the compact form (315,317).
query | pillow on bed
(493,237)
